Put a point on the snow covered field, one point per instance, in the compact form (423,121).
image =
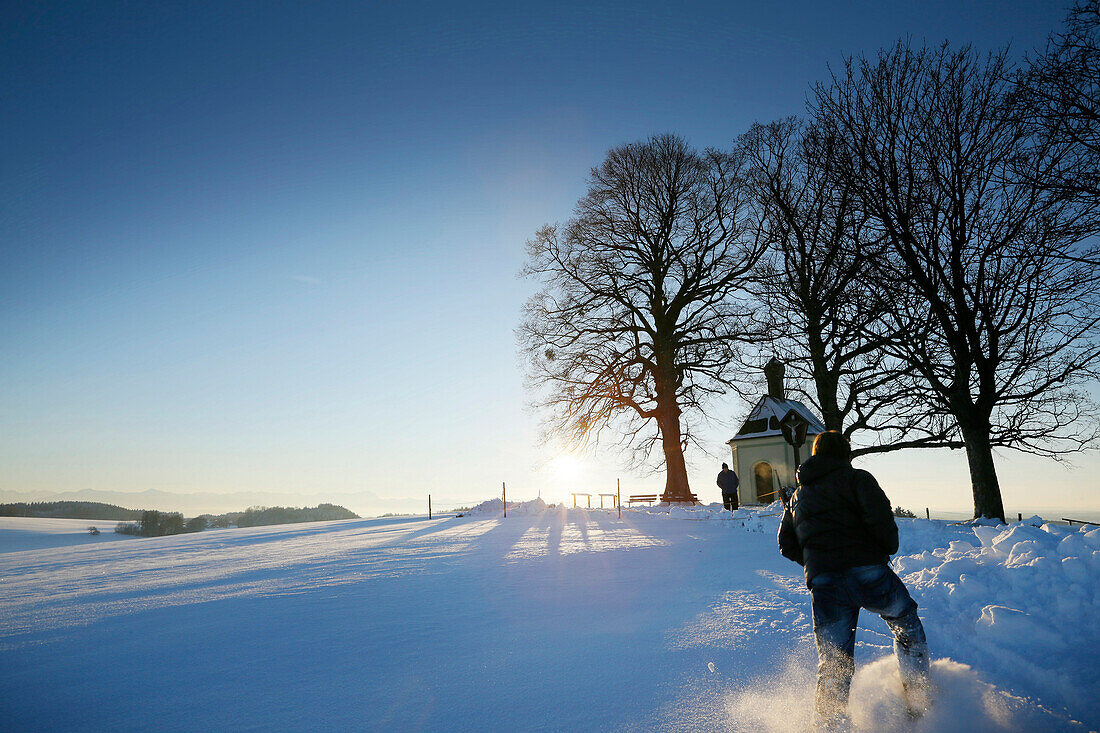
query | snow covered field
(23,533)
(547,620)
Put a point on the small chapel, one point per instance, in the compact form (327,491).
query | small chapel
(762,459)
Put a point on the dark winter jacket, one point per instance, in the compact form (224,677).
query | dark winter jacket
(838,518)
(728,481)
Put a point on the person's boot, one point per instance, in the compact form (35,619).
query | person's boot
(831,706)
(917,698)
(913,663)
(918,695)
(836,723)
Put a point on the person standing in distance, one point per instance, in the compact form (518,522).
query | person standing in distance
(728,482)
(840,527)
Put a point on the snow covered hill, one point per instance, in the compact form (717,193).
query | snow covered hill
(35,533)
(551,619)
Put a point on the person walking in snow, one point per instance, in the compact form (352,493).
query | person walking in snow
(840,527)
(728,482)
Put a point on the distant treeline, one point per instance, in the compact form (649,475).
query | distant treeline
(158,524)
(68,510)
(258,516)
(149,523)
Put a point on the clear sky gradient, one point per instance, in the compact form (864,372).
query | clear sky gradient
(250,246)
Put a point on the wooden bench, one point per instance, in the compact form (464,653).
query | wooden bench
(612,497)
(581,493)
(654,497)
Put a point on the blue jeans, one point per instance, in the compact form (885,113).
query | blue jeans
(837,598)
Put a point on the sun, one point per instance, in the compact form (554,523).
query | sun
(565,470)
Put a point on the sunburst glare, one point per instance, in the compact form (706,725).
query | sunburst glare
(565,472)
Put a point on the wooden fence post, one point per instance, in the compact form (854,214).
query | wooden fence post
(504,496)
(619,498)
(927,514)
(429,506)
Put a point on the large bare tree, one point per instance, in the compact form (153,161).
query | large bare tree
(641,306)
(988,278)
(819,281)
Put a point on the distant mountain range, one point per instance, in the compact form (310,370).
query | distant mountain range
(364,503)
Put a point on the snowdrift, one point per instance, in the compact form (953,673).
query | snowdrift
(1019,599)
(1018,602)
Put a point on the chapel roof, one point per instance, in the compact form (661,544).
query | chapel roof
(764,419)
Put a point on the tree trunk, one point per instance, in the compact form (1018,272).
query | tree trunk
(983,474)
(676,478)
(827,388)
(825,380)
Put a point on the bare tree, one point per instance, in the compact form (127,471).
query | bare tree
(819,282)
(641,306)
(1062,88)
(988,278)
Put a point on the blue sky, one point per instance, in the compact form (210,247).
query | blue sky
(275,245)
